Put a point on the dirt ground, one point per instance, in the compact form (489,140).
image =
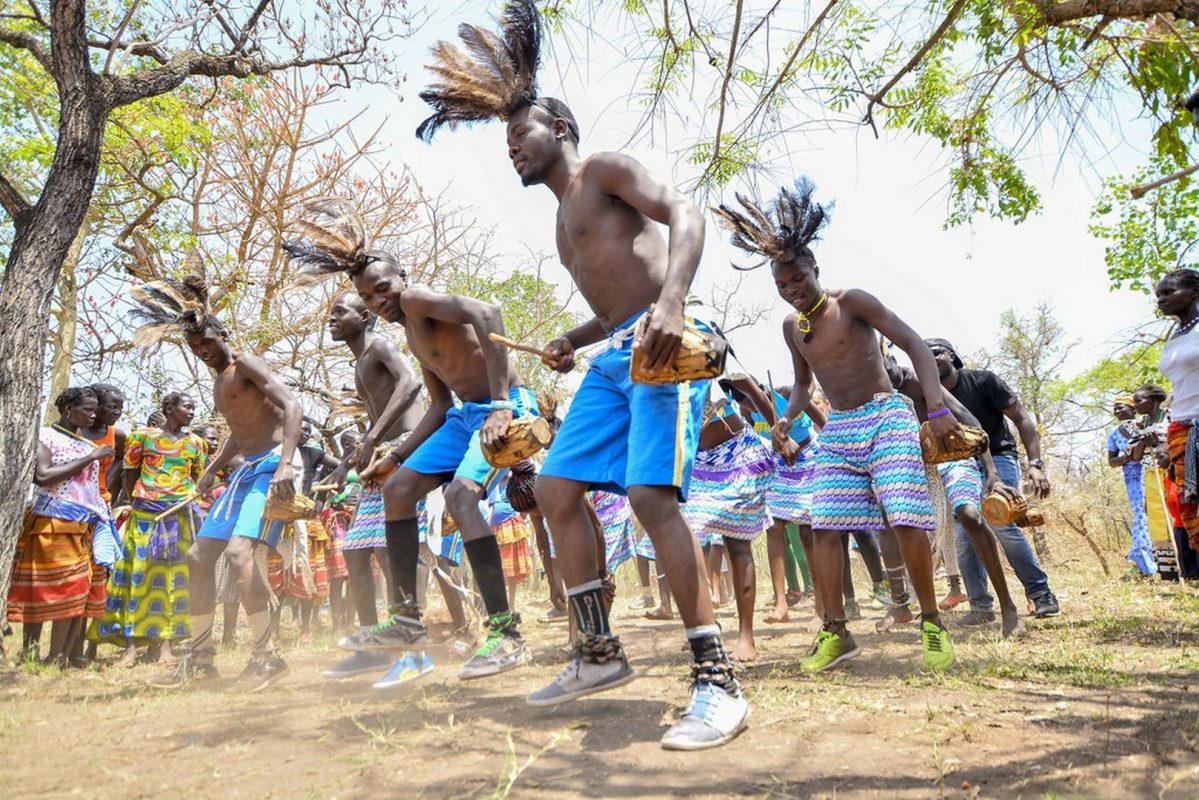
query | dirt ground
(1100,702)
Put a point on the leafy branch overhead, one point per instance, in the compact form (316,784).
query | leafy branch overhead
(991,82)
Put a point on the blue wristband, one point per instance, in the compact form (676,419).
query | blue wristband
(940,413)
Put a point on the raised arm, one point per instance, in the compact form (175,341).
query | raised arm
(257,372)
(625,178)
(757,398)
(867,307)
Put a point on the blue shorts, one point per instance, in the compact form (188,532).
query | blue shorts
(619,434)
(454,450)
(238,511)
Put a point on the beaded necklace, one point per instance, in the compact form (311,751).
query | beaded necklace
(803,320)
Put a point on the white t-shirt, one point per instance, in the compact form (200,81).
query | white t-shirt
(1180,365)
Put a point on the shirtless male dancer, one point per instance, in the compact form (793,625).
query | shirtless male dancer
(448,336)
(870,462)
(618,435)
(264,426)
(389,388)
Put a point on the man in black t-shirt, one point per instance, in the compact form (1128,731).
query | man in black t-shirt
(990,399)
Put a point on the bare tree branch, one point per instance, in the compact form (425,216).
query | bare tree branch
(160,80)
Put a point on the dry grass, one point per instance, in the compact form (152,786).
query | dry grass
(1096,703)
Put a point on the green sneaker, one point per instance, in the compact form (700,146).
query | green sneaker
(829,651)
(938,650)
(502,650)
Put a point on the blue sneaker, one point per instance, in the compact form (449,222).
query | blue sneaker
(358,663)
(408,669)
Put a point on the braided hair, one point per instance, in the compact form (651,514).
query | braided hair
(782,235)
(1185,277)
(73,396)
(172,400)
(106,390)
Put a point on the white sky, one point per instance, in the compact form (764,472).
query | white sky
(886,234)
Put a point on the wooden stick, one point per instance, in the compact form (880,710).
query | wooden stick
(175,509)
(324,487)
(515,345)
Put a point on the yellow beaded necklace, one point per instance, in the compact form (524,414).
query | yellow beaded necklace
(803,319)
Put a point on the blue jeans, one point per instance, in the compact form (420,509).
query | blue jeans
(1015,546)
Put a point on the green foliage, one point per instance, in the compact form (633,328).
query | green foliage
(1150,236)
(987,82)
(1119,373)
(532,311)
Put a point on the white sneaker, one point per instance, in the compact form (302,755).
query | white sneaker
(713,718)
(583,677)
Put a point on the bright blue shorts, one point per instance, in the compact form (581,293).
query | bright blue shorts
(454,451)
(238,511)
(619,434)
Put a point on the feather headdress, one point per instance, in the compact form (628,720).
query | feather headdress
(492,75)
(783,236)
(168,306)
(335,239)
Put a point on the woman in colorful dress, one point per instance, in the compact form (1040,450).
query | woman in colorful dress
(1178,297)
(1126,447)
(52,568)
(148,600)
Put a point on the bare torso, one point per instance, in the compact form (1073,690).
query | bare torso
(254,421)
(616,255)
(451,351)
(843,355)
(376,385)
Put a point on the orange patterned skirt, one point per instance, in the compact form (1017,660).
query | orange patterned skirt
(513,536)
(52,571)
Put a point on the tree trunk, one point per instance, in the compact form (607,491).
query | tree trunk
(67,317)
(43,240)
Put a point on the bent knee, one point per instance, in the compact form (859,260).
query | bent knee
(654,504)
(462,495)
(968,515)
(554,495)
(401,494)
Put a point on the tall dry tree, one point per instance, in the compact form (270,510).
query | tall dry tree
(106,57)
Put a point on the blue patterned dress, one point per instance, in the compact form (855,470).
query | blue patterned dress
(1141,552)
